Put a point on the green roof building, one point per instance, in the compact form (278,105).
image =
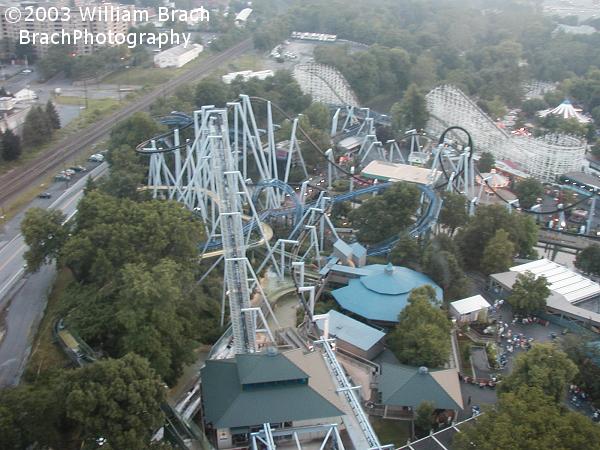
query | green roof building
(402,388)
(287,389)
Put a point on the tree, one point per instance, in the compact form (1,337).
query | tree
(528,420)
(473,237)
(424,416)
(126,174)
(528,190)
(588,260)
(421,337)
(529,294)
(112,232)
(319,116)
(444,268)
(486,162)
(387,214)
(585,353)
(52,115)
(411,112)
(545,367)
(498,253)
(36,128)
(150,316)
(212,91)
(406,252)
(118,399)
(11,146)
(45,235)
(134,130)
(454,211)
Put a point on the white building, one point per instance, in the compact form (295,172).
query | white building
(177,56)
(470,309)
(26,95)
(247,75)
(242,17)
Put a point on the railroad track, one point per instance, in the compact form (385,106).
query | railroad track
(17,180)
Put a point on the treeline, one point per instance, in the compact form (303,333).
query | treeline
(38,128)
(133,298)
(64,59)
(487,48)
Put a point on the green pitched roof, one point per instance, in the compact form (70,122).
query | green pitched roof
(230,403)
(265,368)
(402,385)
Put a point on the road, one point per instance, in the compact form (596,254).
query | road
(23,299)
(15,181)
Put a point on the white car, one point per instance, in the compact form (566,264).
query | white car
(97,157)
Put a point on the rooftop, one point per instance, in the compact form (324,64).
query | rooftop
(470,304)
(179,50)
(564,281)
(253,389)
(386,171)
(402,385)
(382,293)
(352,331)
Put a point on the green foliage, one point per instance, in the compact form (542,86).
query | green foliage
(118,400)
(528,190)
(454,211)
(545,367)
(136,293)
(132,131)
(52,115)
(421,337)
(10,145)
(528,420)
(212,91)
(376,71)
(442,264)
(588,260)
(486,162)
(424,416)
(473,238)
(37,128)
(126,174)
(498,253)
(45,236)
(532,106)
(529,294)
(584,352)
(407,252)
(112,232)
(319,116)
(411,112)
(387,214)
(67,409)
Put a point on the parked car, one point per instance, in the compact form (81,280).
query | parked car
(62,177)
(97,157)
(45,195)
(78,168)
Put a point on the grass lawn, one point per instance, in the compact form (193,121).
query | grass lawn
(150,76)
(45,353)
(395,432)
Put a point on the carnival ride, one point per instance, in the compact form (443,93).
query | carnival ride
(211,172)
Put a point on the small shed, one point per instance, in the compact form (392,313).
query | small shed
(354,336)
(470,309)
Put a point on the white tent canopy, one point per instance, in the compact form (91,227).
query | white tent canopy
(566,110)
(470,305)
